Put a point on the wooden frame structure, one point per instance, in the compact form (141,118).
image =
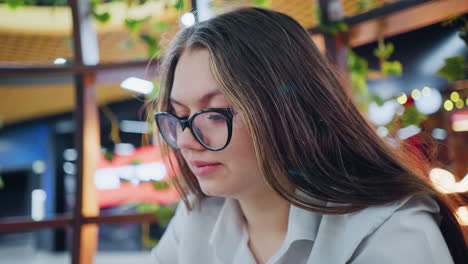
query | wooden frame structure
(85,216)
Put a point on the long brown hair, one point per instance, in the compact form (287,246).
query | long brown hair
(307,133)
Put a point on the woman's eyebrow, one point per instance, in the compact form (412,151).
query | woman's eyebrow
(204,99)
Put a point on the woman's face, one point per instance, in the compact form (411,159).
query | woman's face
(235,172)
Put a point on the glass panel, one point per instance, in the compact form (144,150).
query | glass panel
(126,243)
(35,116)
(130,170)
(36,247)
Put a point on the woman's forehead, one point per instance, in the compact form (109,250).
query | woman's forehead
(194,82)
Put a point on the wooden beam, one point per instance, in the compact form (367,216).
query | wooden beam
(8,71)
(20,224)
(118,219)
(406,20)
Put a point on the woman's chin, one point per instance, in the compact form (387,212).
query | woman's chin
(216,190)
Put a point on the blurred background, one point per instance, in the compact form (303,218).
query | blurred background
(79,165)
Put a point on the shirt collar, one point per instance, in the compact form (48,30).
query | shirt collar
(229,230)
(302,224)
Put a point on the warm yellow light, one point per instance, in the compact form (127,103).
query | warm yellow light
(454,96)
(448,105)
(459,126)
(459,104)
(462,213)
(445,182)
(416,94)
(426,91)
(402,99)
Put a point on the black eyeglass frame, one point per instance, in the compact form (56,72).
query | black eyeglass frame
(187,122)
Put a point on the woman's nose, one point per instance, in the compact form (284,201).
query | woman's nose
(186,140)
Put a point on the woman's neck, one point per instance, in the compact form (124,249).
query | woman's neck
(266,216)
(265,211)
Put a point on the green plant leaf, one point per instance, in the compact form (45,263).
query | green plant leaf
(109,155)
(151,43)
(375,98)
(365,5)
(358,69)
(103,17)
(136,162)
(147,208)
(150,243)
(161,185)
(454,69)
(384,51)
(318,14)
(342,26)
(412,116)
(163,27)
(134,25)
(179,5)
(13,4)
(262,3)
(391,68)
(464,36)
(359,84)
(356,63)
(334,27)
(164,215)
(54,3)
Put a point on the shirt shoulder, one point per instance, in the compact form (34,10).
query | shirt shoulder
(406,229)
(186,237)
(201,218)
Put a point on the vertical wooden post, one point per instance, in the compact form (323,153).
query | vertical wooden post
(335,44)
(87,135)
(87,138)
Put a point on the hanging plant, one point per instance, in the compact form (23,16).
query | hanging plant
(100,17)
(330,27)
(387,68)
(141,30)
(456,67)
(366,5)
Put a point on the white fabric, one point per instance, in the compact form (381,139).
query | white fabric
(400,232)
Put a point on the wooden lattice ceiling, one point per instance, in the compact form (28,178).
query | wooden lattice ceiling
(38,46)
(42,46)
(356,7)
(46,43)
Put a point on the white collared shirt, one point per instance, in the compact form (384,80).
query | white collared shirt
(402,232)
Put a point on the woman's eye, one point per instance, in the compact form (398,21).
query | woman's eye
(216,117)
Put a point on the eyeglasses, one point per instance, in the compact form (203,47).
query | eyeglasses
(212,127)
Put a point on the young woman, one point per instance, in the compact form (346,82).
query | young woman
(278,165)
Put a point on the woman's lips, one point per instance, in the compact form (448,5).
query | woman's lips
(203,168)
